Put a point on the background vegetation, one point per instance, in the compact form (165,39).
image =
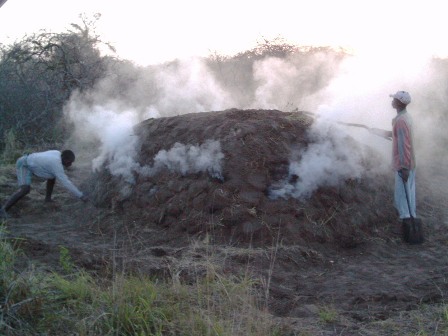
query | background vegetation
(39,73)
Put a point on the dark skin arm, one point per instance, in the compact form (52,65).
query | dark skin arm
(404,173)
(50,186)
(382,133)
(49,192)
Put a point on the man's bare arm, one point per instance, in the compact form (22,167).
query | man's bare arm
(382,133)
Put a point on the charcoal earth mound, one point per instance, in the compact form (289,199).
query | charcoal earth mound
(257,146)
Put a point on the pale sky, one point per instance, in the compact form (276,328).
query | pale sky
(155,31)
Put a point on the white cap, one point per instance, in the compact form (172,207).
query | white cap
(402,96)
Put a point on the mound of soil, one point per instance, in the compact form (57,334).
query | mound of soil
(238,208)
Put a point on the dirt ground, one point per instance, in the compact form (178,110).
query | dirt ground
(326,265)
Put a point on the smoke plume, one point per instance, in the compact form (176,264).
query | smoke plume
(330,158)
(188,159)
(354,91)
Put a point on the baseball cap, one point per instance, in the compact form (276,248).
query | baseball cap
(402,96)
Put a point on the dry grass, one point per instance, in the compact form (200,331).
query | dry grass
(78,303)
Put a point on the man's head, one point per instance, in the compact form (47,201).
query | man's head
(401,99)
(67,157)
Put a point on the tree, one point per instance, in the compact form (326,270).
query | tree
(38,75)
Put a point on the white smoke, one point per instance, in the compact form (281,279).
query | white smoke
(288,83)
(188,159)
(111,128)
(107,116)
(358,93)
(118,146)
(188,86)
(330,158)
(275,77)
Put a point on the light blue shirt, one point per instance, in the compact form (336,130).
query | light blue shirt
(48,165)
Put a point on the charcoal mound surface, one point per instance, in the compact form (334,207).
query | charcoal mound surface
(238,208)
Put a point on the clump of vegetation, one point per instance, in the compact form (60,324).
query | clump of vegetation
(37,76)
(12,147)
(313,69)
(34,302)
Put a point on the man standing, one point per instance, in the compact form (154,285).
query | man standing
(48,165)
(403,156)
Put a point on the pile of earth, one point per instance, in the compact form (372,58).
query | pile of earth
(236,207)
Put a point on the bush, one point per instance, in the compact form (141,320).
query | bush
(37,77)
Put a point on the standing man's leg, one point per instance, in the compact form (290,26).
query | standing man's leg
(401,203)
(411,192)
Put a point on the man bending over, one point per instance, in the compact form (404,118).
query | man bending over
(48,165)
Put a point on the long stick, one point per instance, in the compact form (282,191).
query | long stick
(355,125)
(375,131)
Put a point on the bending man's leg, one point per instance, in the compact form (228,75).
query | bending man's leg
(50,186)
(19,194)
(24,181)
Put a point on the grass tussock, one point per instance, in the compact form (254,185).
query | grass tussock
(12,147)
(76,303)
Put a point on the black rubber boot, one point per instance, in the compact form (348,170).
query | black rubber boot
(3,214)
(18,195)
(396,228)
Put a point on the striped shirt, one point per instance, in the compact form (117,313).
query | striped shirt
(403,155)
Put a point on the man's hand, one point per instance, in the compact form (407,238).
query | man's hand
(382,133)
(84,198)
(404,173)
